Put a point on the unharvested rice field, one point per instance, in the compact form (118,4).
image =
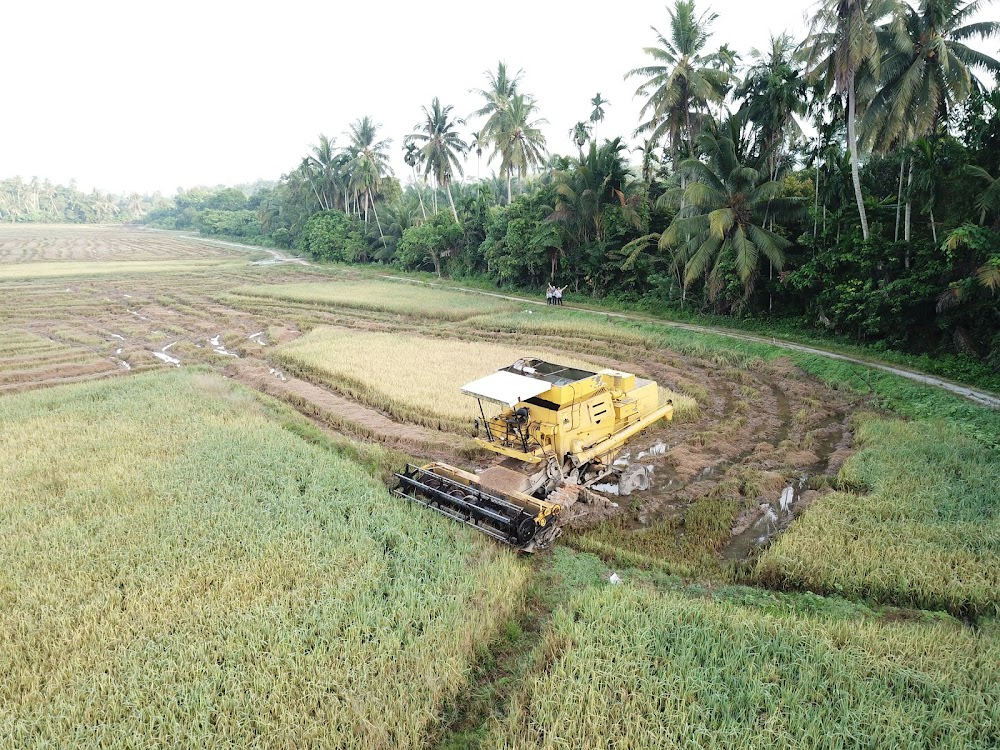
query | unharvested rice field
(626,667)
(400,298)
(921,529)
(177,571)
(198,548)
(414,379)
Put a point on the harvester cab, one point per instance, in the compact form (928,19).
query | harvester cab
(558,429)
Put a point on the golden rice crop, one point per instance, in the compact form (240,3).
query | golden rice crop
(178,571)
(624,667)
(415,379)
(400,298)
(926,534)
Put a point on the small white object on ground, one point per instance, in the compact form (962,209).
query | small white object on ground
(615,579)
(787,498)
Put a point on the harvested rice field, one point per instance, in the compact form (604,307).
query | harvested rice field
(199,546)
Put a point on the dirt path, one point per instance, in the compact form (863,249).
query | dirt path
(983,398)
(277,255)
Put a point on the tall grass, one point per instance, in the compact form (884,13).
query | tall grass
(922,529)
(415,379)
(178,571)
(624,667)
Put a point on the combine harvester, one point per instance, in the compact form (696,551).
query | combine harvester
(559,430)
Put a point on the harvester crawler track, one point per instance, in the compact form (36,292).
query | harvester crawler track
(469,503)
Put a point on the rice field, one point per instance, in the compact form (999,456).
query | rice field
(176,570)
(27,358)
(415,379)
(70,269)
(922,527)
(627,667)
(184,564)
(417,301)
(39,243)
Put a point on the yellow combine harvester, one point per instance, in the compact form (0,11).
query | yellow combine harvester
(559,429)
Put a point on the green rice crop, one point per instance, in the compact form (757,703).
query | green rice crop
(624,667)
(923,529)
(415,379)
(176,570)
(400,298)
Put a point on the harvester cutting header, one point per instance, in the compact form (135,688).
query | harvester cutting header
(559,429)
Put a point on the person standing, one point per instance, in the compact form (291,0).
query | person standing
(550,295)
(558,294)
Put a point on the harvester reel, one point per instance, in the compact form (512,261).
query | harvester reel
(490,513)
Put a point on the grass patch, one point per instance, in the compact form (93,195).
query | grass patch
(927,534)
(176,570)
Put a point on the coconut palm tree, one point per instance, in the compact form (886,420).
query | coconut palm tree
(927,70)
(682,82)
(369,163)
(590,184)
(988,200)
(478,140)
(442,149)
(722,217)
(323,167)
(496,100)
(774,94)
(502,87)
(842,42)
(519,139)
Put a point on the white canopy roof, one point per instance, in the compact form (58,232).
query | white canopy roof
(505,387)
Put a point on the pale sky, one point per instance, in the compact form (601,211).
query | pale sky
(138,96)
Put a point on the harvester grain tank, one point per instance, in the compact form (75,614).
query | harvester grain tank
(558,429)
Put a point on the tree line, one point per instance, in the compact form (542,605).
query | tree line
(42,201)
(845,182)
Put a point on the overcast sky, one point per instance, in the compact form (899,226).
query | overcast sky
(136,96)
